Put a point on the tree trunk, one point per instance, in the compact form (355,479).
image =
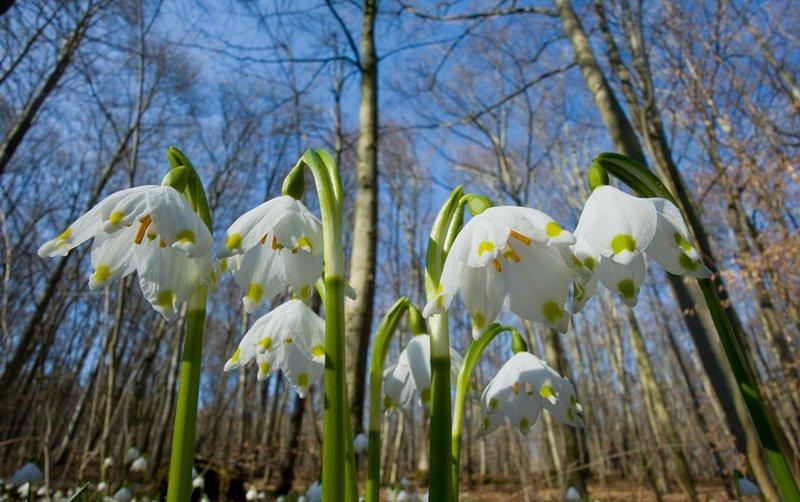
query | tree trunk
(688,296)
(578,472)
(358,313)
(23,122)
(659,409)
(290,455)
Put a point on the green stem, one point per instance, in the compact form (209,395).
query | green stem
(471,358)
(450,216)
(182,456)
(338,458)
(647,184)
(380,347)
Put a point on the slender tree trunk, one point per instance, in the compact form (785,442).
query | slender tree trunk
(659,409)
(688,296)
(286,471)
(358,313)
(23,122)
(578,472)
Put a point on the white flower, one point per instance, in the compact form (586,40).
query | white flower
(198,482)
(314,492)
(523,386)
(150,229)
(24,490)
(412,374)
(108,462)
(139,465)
(360,443)
(28,473)
(572,495)
(123,495)
(508,255)
(102,486)
(275,245)
(251,494)
(616,230)
(290,338)
(405,483)
(132,454)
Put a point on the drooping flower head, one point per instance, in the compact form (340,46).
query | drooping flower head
(289,338)
(411,375)
(150,229)
(615,232)
(508,255)
(521,389)
(275,245)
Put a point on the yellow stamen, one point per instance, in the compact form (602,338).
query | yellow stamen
(511,254)
(143,224)
(522,238)
(497,265)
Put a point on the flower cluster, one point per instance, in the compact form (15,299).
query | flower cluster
(275,246)
(151,230)
(523,259)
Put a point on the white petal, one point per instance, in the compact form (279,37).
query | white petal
(298,368)
(624,280)
(490,423)
(243,226)
(112,257)
(302,269)
(540,226)
(582,291)
(483,290)
(671,246)
(418,352)
(539,286)
(84,228)
(298,228)
(126,208)
(260,274)
(487,240)
(177,224)
(523,410)
(167,276)
(449,283)
(398,384)
(617,224)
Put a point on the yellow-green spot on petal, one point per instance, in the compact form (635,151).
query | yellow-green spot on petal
(234,241)
(165,298)
(263,367)
(478,319)
(425,395)
(387,402)
(265,343)
(573,401)
(185,236)
(101,273)
(688,263)
(317,351)
(236,355)
(553,229)
(485,247)
(223,265)
(580,291)
(288,340)
(492,404)
(627,288)
(571,414)
(623,242)
(63,236)
(305,292)
(302,380)
(115,217)
(546,391)
(255,292)
(683,243)
(304,243)
(552,312)
(576,261)
(524,424)
(589,262)
(486,423)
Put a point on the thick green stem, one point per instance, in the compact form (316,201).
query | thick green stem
(439,447)
(647,184)
(380,347)
(471,359)
(338,458)
(183,435)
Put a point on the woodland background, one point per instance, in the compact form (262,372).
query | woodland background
(412,98)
